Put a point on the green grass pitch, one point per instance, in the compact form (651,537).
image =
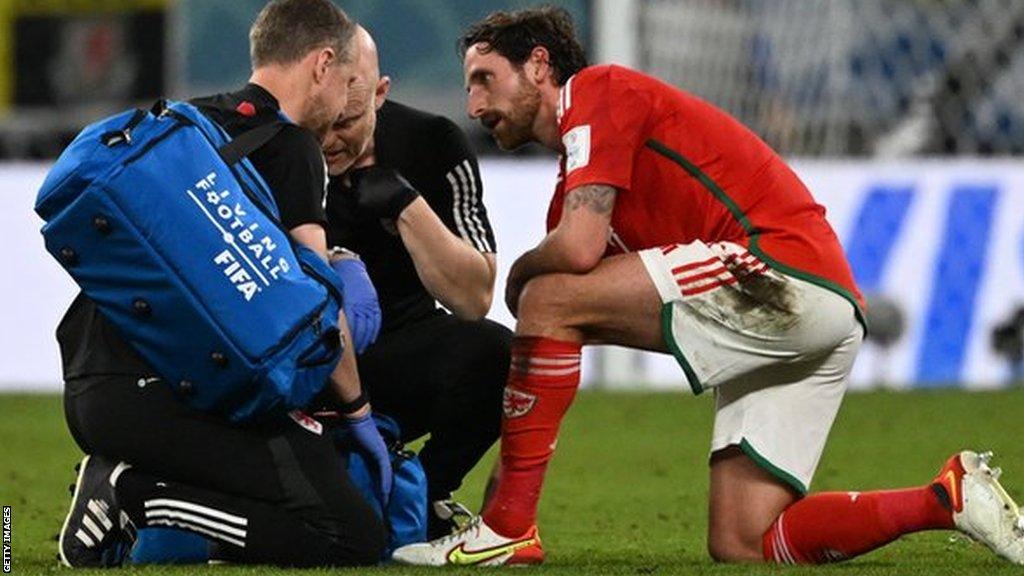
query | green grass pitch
(626,493)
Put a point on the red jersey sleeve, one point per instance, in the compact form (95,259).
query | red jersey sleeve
(602,123)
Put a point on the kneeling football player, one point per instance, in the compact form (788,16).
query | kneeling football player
(673,228)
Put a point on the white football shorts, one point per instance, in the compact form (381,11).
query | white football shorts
(777,350)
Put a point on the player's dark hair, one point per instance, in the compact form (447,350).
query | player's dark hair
(514,35)
(286,30)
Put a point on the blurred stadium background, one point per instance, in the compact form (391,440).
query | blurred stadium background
(904,117)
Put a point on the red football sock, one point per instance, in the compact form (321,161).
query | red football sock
(541,385)
(834,526)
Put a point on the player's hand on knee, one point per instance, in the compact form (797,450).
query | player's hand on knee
(512,292)
(360,300)
(513,289)
(382,192)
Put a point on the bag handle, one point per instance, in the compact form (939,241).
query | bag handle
(124,135)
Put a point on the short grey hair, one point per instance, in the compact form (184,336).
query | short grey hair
(285,31)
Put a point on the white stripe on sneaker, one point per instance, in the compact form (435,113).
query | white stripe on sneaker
(118,470)
(81,535)
(99,510)
(93,528)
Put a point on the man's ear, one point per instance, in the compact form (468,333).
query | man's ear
(325,58)
(540,61)
(381,94)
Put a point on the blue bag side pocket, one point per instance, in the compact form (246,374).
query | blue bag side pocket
(169,546)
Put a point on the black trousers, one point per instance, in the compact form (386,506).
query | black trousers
(443,376)
(275,493)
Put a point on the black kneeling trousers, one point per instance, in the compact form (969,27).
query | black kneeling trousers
(274,493)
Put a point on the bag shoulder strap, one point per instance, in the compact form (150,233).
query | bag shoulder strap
(249,141)
(239,147)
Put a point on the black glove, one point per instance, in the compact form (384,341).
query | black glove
(382,191)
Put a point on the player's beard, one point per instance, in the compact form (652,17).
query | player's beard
(516,127)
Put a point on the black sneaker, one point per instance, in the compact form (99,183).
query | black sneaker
(446,517)
(95,533)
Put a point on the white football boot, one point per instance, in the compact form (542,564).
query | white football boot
(474,545)
(982,509)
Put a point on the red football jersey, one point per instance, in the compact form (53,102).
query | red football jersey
(687,171)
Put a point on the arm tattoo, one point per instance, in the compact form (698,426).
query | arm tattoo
(598,198)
